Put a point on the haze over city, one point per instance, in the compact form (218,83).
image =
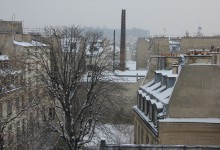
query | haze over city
(159,16)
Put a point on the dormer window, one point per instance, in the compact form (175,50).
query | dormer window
(156,109)
(151,109)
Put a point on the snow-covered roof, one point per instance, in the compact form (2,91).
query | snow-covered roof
(155,92)
(29,44)
(159,105)
(148,84)
(165,95)
(4,57)
(167,73)
(131,73)
(153,87)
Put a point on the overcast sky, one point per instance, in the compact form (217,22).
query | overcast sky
(175,16)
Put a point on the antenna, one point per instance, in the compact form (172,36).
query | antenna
(114,51)
(199,34)
(164,31)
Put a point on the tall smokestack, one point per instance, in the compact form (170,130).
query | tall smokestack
(123,40)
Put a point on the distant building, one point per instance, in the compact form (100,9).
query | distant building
(11,27)
(150,46)
(146,47)
(179,105)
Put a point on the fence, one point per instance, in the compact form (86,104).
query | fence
(104,146)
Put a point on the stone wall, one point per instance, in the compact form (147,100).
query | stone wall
(142,53)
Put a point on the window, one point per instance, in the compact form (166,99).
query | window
(22,102)
(17,104)
(1,110)
(145,107)
(142,136)
(154,115)
(29,67)
(18,130)
(141,103)
(147,139)
(16,81)
(9,107)
(22,81)
(29,82)
(139,100)
(37,118)
(148,107)
(31,122)
(23,127)
(10,137)
(139,133)
(51,112)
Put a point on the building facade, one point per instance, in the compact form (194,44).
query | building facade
(179,106)
(24,105)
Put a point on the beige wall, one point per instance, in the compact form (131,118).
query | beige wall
(189,133)
(196,94)
(160,45)
(192,59)
(9,26)
(152,46)
(198,43)
(142,134)
(6,42)
(142,54)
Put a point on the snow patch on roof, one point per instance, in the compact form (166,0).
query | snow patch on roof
(28,44)
(164,96)
(167,73)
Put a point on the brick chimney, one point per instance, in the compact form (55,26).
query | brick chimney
(175,67)
(123,40)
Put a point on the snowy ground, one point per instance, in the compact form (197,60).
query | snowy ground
(113,134)
(130,75)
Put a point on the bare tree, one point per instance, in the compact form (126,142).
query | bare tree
(76,68)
